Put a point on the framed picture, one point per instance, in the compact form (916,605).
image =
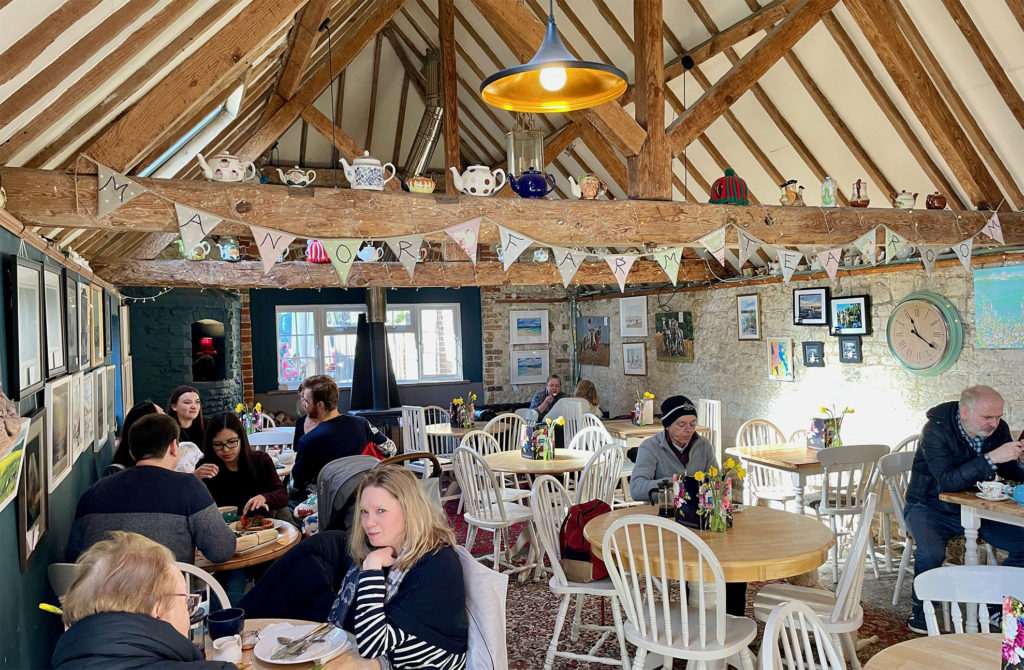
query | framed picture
(53,305)
(673,336)
(96,320)
(530,367)
(849,349)
(84,327)
(810,306)
(633,316)
(127,387)
(850,315)
(26,318)
(126,340)
(108,321)
(997,315)
(88,410)
(99,388)
(780,359)
(32,498)
(71,320)
(77,432)
(748,317)
(592,345)
(110,399)
(59,456)
(11,462)
(814,354)
(528,327)
(634,358)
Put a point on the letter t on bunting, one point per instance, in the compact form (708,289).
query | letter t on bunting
(194,225)
(669,261)
(271,243)
(513,245)
(407,250)
(342,253)
(466,235)
(620,266)
(748,246)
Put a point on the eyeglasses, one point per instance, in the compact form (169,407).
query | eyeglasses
(192,601)
(224,446)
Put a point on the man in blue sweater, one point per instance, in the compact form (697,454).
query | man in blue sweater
(151,499)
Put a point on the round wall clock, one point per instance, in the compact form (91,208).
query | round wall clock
(924,333)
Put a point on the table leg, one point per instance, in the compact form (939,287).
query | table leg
(799,481)
(971,523)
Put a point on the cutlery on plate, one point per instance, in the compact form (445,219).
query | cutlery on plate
(286,649)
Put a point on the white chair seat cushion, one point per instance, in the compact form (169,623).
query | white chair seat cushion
(512,495)
(514,513)
(822,602)
(739,632)
(598,587)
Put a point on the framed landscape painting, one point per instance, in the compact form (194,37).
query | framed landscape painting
(998,318)
(592,335)
(850,315)
(634,358)
(53,304)
(99,387)
(530,367)
(748,317)
(32,498)
(59,456)
(11,463)
(84,327)
(780,359)
(673,336)
(528,327)
(633,316)
(810,306)
(26,346)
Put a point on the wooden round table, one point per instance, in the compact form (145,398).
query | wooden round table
(565,460)
(763,543)
(288,536)
(350,660)
(981,651)
(447,430)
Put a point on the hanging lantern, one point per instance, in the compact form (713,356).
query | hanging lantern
(525,147)
(553,81)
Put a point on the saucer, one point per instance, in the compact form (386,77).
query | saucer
(1000,497)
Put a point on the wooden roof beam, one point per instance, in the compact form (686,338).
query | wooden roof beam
(449,89)
(1017,7)
(21,54)
(306,35)
(342,141)
(10,223)
(650,171)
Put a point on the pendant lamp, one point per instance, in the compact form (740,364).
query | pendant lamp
(553,81)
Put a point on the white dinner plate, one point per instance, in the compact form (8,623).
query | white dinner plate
(335,642)
(277,524)
(998,498)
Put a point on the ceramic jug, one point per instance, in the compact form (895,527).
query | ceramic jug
(197,253)
(225,167)
(532,184)
(478,180)
(859,194)
(588,187)
(229,250)
(791,193)
(366,173)
(228,649)
(296,177)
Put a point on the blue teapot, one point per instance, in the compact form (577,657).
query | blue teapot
(532,184)
(1017,493)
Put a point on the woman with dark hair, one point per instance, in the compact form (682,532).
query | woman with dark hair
(235,474)
(123,455)
(184,406)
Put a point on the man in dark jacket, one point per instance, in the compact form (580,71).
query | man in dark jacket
(963,442)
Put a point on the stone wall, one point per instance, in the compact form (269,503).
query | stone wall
(889,402)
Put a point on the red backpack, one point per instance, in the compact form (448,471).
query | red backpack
(578,561)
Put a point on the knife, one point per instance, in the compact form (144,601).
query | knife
(294,644)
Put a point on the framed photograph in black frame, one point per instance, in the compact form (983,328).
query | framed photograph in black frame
(814,354)
(32,497)
(849,349)
(84,327)
(810,306)
(53,305)
(108,319)
(850,315)
(71,320)
(27,349)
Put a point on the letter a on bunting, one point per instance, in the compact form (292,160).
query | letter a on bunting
(620,266)
(342,253)
(669,262)
(407,250)
(513,244)
(271,243)
(568,262)
(194,225)
(113,189)
(466,235)
(830,261)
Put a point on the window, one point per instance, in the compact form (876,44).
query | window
(424,341)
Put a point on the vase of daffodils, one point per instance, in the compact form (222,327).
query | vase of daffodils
(539,442)
(833,424)
(643,408)
(252,420)
(714,503)
(462,411)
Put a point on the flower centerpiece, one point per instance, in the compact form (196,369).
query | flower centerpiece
(539,440)
(462,411)
(824,432)
(643,408)
(714,497)
(252,419)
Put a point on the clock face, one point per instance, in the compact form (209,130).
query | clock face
(924,333)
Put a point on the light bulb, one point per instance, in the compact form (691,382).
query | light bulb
(552,78)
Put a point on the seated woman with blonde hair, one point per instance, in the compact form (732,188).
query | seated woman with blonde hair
(585,390)
(128,608)
(407,605)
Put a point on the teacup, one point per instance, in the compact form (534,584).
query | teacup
(229,513)
(225,623)
(991,489)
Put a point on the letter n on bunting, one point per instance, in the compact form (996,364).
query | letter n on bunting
(271,243)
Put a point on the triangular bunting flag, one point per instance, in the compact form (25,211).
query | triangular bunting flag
(620,265)
(714,242)
(113,189)
(830,261)
(194,225)
(466,235)
(342,253)
(866,246)
(994,229)
(893,243)
(669,260)
(929,255)
(568,262)
(407,250)
(963,252)
(513,244)
(748,245)
(788,260)
(271,243)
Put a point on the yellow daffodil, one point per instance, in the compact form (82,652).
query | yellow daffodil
(648,395)
(730,463)
(547,421)
(259,407)
(848,410)
(824,410)
(457,401)
(741,473)
(713,471)
(699,475)
(238,408)
(561,421)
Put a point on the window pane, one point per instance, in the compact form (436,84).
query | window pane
(339,356)
(402,347)
(296,347)
(399,318)
(347,318)
(437,328)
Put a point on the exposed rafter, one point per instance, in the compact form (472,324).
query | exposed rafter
(303,42)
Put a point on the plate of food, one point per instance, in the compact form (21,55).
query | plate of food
(251,523)
(246,542)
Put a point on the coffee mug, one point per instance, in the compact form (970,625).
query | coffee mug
(225,623)
(229,513)
(990,489)
(228,649)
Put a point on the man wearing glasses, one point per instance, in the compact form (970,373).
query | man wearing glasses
(172,508)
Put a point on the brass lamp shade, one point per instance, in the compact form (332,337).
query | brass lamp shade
(587,84)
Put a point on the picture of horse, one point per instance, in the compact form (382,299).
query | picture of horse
(592,338)
(673,336)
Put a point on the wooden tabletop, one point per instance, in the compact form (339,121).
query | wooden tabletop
(969,499)
(625,429)
(350,660)
(979,651)
(565,460)
(447,430)
(288,536)
(781,456)
(763,543)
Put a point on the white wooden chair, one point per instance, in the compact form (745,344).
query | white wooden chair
(601,475)
(485,444)
(573,418)
(529,415)
(414,428)
(798,437)
(969,584)
(840,611)
(709,414)
(594,421)
(761,482)
(267,422)
(550,504)
(654,622)
(508,430)
(489,511)
(441,446)
(894,470)
(849,477)
(795,639)
(908,443)
(191,573)
(589,439)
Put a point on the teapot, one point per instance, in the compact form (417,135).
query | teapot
(229,250)
(935,201)
(419,184)
(478,180)
(792,193)
(225,167)
(589,187)
(903,200)
(366,173)
(197,253)
(315,252)
(296,177)
(1016,492)
(532,184)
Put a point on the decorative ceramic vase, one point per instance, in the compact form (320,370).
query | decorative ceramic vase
(532,184)
(828,193)
(366,173)
(859,194)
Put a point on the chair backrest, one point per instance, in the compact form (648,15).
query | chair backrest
(594,421)
(442,445)
(550,503)
(414,429)
(895,470)
(508,429)
(849,476)
(851,581)
(982,584)
(794,638)
(758,432)
(481,492)
(61,575)
(267,422)
(908,443)
(431,481)
(336,487)
(573,413)
(486,591)
(634,571)
(601,475)
(709,413)
(589,439)
(798,437)
(481,442)
(192,573)
(529,415)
